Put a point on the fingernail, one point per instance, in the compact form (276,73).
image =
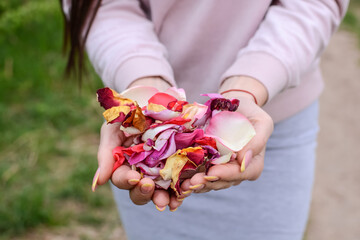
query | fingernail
(160,209)
(211,178)
(187,192)
(146,188)
(133,181)
(173,210)
(197,186)
(95,180)
(246,160)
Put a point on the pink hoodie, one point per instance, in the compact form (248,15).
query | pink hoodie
(196,44)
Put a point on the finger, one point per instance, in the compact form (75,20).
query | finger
(218,185)
(125,178)
(110,137)
(142,192)
(197,182)
(231,172)
(255,167)
(161,199)
(185,188)
(263,126)
(174,203)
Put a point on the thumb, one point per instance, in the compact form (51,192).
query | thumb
(110,137)
(264,127)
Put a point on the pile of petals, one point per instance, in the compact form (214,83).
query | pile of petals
(172,138)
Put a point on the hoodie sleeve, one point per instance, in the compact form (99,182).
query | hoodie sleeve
(288,43)
(123,46)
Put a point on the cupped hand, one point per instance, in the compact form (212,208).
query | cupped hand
(249,162)
(141,190)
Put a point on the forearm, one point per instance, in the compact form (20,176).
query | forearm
(247,84)
(153,81)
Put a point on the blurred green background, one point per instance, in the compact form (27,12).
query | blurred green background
(49,127)
(49,130)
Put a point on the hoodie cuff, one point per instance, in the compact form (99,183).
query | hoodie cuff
(262,67)
(140,67)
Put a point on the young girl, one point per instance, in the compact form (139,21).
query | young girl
(266,54)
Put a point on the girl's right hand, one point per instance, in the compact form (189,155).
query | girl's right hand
(141,190)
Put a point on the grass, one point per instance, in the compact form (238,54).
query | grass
(49,128)
(351,21)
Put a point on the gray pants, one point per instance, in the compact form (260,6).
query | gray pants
(274,207)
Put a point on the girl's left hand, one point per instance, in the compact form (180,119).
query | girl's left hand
(251,156)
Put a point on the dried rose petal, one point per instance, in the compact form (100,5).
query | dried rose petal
(162,99)
(187,139)
(206,141)
(223,159)
(231,130)
(119,157)
(160,112)
(175,163)
(151,133)
(140,94)
(178,93)
(176,106)
(109,98)
(116,114)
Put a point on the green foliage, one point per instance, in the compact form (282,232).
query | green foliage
(352,18)
(48,125)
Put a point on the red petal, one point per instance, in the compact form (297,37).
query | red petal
(138,148)
(207,141)
(176,120)
(196,156)
(176,106)
(106,98)
(162,99)
(119,157)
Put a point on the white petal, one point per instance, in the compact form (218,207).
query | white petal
(230,129)
(178,93)
(223,159)
(152,132)
(140,94)
(129,131)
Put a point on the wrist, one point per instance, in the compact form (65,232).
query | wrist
(244,87)
(154,81)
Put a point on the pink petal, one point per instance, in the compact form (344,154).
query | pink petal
(140,94)
(194,112)
(138,157)
(230,129)
(165,184)
(163,138)
(184,140)
(150,171)
(213,95)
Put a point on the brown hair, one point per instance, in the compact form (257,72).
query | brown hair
(76,30)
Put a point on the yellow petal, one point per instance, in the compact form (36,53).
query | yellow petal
(175,163)
(155,107)
(114,112)
(139,120)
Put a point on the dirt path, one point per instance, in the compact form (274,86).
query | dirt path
(335,212)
